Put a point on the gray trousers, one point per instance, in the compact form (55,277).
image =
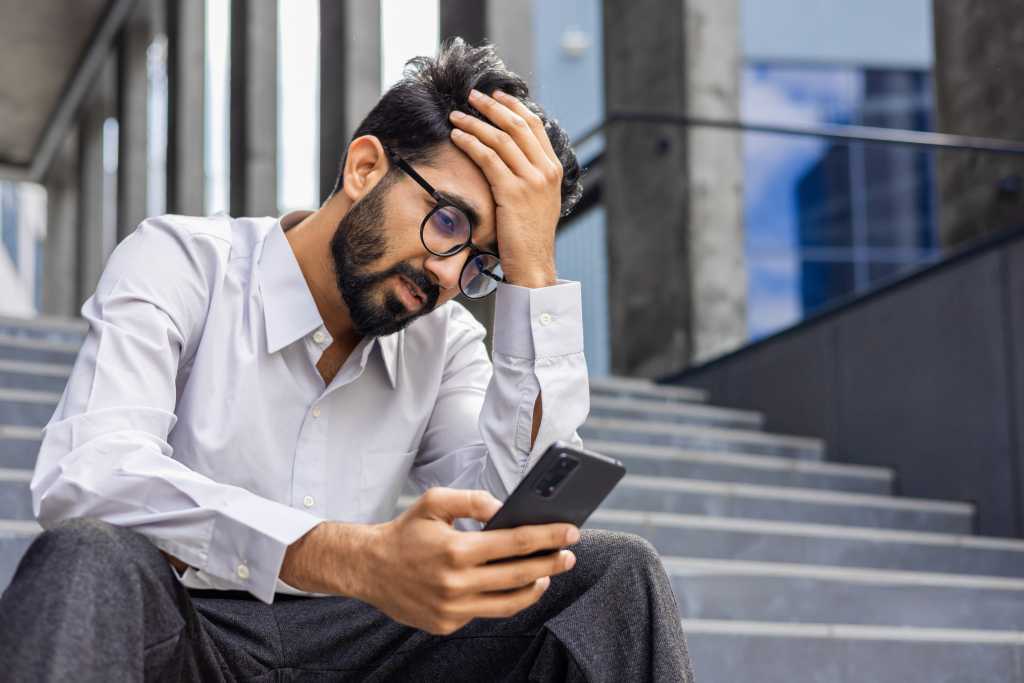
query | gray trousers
(95,602)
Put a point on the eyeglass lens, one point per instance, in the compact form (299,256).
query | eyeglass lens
(446,231)
(481,275)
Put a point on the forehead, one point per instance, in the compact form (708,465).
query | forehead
(452,172)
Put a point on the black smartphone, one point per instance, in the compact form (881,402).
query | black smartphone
(566,485)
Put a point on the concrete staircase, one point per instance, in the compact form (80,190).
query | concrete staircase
(787,567)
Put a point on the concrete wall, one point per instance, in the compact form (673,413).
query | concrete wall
(926,377)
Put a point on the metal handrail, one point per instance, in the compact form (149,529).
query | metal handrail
(886,136)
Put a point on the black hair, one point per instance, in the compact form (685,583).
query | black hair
(411,118)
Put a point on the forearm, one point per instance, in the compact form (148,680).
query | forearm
(333,558)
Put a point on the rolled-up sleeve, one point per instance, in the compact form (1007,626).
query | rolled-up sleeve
(480,431)
(105,452)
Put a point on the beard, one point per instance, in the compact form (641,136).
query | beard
(359,241)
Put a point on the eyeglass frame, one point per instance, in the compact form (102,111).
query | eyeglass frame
(440,203)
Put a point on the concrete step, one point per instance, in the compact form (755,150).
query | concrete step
(784,592)
(19,446)
(67,330)
(15,538)
(771,652)
(27,407)
(36,376)
(755,540)
(15,496)
(681,413)
(631,387)
(703,438)
(37,350)
(726,499)
(669,461)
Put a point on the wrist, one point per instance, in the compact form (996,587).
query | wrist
(331,558)
(533,277)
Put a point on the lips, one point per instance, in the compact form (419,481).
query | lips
(413,290)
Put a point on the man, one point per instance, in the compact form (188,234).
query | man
(253,393)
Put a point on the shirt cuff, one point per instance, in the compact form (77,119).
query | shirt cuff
(538,322)
(249,543)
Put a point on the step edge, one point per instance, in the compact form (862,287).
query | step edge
(686,566)
(795,493)
(826,631)
(740,435)
(753,461)
(806,529)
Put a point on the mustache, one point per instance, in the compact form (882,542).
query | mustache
(430,290)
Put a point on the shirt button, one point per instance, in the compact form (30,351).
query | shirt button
(316,411)
(319,337)
(308,501)
(242,571)
(545,318)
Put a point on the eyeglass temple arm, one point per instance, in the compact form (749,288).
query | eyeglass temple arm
(411,172)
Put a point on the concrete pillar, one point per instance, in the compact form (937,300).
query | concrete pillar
(92,245)
(718,276)
(186,82)
(646,188)
(133,120)
(464,18)
(253,108)
(977,75)
(672,195)
(350,75)
(60,253)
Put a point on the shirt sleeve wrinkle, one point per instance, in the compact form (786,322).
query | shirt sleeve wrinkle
(537,350)
(105,452)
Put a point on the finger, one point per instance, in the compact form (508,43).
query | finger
(449,504)
(517,573)
(497,605)
(498,113)
(535,123)
(497,544)
(489,161)
(500,141)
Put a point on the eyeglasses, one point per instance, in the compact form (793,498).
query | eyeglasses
(446,230)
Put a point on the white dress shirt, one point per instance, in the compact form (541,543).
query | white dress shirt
(195,413)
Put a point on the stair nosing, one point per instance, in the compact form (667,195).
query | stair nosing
(687,566)
(682,409)
(29,396)
(634,384)
(762,462)
(794,493)
(41,344)
(806,529)
(45,322)
(740,435)
(35,368)
(781,629)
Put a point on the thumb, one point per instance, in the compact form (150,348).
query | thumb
(449,504)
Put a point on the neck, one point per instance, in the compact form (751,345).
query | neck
(310,240)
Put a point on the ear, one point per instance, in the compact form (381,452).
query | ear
(365,165)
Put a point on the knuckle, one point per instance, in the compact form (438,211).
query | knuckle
(502,138)
(519,122)
(521,542)
(553,172)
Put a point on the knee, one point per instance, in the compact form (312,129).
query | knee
(616,551)
(94,541)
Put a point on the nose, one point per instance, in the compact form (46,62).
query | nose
(447,269)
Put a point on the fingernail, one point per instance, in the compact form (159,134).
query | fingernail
(456,133)
(457,115)
(475,94)
(499,93)
(570,560)
(545,581)
(572,535)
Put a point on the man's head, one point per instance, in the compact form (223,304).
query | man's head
(376,249)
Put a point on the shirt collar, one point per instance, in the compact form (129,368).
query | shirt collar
(289,310)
